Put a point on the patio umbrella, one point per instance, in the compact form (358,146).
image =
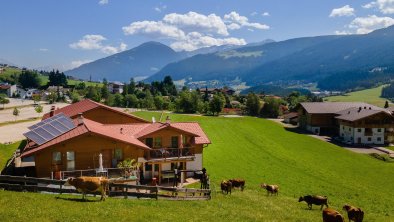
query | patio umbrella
(101,168)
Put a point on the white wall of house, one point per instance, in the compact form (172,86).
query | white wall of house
(357,135)
(196,164)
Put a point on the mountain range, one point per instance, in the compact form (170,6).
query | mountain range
(354,59)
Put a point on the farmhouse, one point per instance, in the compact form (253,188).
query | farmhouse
(8,89)
(95,111)
(354,123)
(366,126)
(61,144)
(115,87)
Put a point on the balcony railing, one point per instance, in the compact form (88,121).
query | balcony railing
(163,153)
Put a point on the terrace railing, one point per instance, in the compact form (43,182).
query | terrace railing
(164,153)
(107,172)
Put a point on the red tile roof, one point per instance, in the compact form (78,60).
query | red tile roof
(127,133)
(85,105)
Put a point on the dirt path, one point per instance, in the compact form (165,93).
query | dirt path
(26,112)
(14,132)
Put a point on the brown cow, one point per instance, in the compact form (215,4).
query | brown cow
(330,215)
(89,184)
(226,186)
(271,189)
(316,200)
(354,213)
(239,183)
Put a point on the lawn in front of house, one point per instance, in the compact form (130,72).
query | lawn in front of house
(256,150)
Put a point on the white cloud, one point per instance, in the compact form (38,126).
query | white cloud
(234,19)
(94,42)
(89,42)
(192,30)
(253,14)
(193,21)
(160,8)
(364,25)
(153,29)
(78,63)
(385,6)
(369,5)
(342,32)
(344,11)
(43,50)
(112,50)
(103,2)
(265,14)
(195,40)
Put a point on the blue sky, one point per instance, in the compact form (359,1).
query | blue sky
(66,33)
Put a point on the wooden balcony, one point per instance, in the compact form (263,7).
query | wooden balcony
(169,153)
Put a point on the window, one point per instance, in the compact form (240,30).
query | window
(57,158)
(343,127)
(379,139)
(118,154)
(359,130)
(349,129)
(369,139)
(174,142)
(379,130)
(148,167)
(184,139)
(158,142)
(70,160)
(149,142)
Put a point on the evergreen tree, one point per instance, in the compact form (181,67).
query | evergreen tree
(217,103)
(29,79)
(386,104)
(253,104)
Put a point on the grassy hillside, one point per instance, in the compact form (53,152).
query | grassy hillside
(257,150)
(6,152)
(371,96)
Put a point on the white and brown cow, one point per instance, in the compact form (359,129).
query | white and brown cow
(89,184)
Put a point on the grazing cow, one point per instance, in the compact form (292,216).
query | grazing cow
(89,184)
(239,183)
(316,200)
(226,186)
(271,189)
(330,215)
(354,213)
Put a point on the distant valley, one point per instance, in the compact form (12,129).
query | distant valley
(337,62)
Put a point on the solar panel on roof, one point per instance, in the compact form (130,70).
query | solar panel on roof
(50,128)
(35,137)
(67,122)
(59,126)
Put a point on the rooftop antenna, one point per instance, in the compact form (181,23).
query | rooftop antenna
(153,119)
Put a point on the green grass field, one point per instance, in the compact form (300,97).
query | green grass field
(371,96)
(6,152)
(257,150)
(44,79)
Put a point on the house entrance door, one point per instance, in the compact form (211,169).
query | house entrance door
(107,158)
(359,140)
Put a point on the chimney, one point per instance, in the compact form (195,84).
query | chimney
(359,109)
(121,130)
(80,119)
(365,107)
(153,119)
(168,120)
(52,112)
(370,108)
